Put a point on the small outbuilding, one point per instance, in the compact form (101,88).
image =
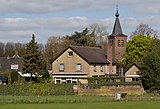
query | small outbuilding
(133,73)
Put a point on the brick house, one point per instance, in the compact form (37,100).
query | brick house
(78,62)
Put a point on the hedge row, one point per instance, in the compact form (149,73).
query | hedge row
(97,82)
(37,89)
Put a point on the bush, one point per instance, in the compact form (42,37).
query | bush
(14,76)
(97,82)
(37,89)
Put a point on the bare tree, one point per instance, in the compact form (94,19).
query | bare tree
(9,49)
(2,48)
(144,29)
(100,31)
(54,46)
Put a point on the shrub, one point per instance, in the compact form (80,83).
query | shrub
(14,76)
(37,89)
(97,82)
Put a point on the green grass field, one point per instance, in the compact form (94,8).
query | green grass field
(78,102)
(103,105)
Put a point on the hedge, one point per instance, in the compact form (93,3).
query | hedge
(97,82)
(36,89)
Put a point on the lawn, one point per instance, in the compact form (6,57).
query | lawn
(79,102)
(102,105)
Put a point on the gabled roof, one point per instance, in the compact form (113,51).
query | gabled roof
(92,55)
(137,64)
(117,30)
(6,62)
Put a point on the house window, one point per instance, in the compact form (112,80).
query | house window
(14,67)
(61,68)
(135,79)
(95,68)
(101,68)
(70,54)
(119,43)
(111,42)
(122,43)
(78,67)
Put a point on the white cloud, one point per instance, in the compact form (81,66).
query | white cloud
(41,6)
(22,28)
(52,6)
(78,18)
(148,9)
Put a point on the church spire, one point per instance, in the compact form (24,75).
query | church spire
(117,13)
(117,26)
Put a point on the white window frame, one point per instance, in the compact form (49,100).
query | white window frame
(78,67)
(101,68)
(14,67)
(69,55)
(61,67)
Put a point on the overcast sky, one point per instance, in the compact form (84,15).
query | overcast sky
(19,19)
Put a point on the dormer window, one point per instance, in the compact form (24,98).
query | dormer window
(70,54)
(14,67)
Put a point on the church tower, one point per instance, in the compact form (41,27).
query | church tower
(116,45)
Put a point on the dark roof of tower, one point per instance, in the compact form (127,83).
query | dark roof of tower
(117,30)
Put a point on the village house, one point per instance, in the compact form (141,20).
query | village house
(78,62)
(133,73)
(8,64)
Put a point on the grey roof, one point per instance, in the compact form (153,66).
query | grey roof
(93,55)
(117,30)
(6,62)
(117,27)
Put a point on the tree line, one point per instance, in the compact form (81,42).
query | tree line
(9,48)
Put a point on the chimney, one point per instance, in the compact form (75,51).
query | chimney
(109,57)
(16,54)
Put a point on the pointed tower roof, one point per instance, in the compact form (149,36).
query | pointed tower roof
(117,30)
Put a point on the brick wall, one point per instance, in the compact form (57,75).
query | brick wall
(111,91)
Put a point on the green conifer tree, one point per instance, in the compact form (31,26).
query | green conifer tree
(34,63)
